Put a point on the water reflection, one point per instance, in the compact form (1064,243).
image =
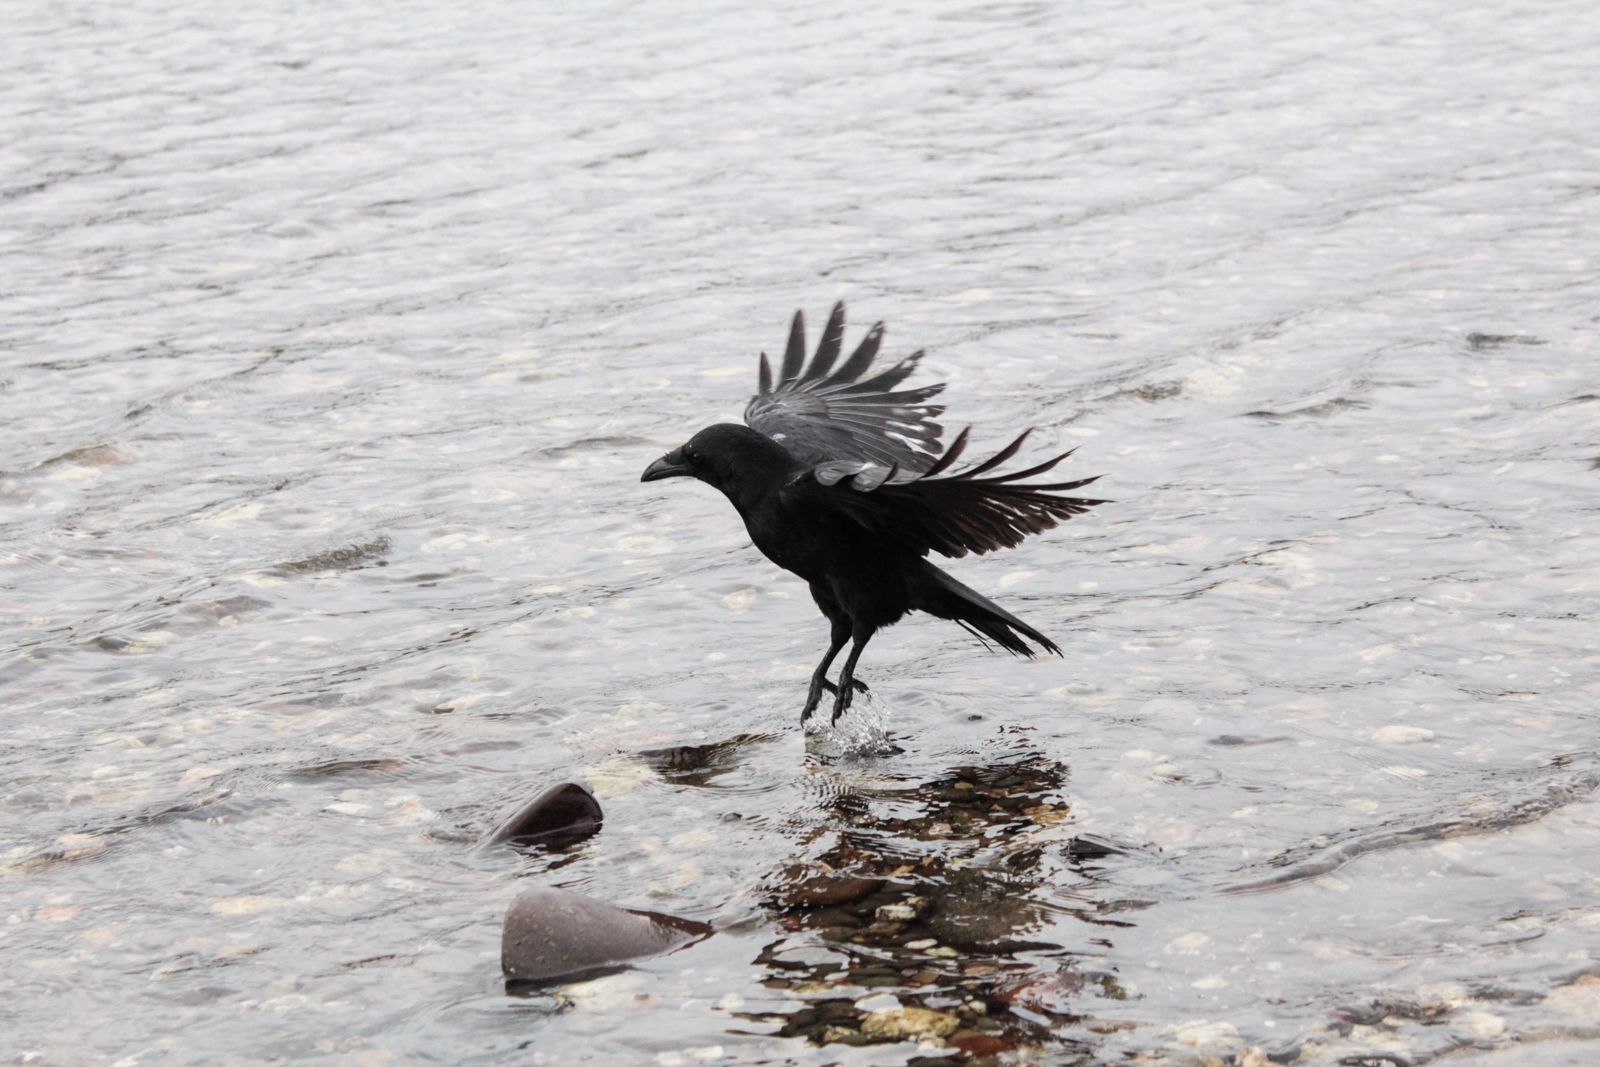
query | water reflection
(927,895)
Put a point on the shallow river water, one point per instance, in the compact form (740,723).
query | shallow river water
(335,338)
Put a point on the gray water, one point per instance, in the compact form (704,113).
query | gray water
(336,336)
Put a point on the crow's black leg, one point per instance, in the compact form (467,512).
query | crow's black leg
(819,677)
(847,674)
(856,683)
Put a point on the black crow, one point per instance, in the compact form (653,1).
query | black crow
(842,482)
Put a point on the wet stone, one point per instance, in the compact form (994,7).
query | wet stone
(1239,741)
(552,934)
(828,887)
(559,816)
(829,917)
(984,909)
(1045,993)
(899,1024)
(843,1035)
(1088,847)
(701,765)
(347,557)
(352,767)
(978,1043)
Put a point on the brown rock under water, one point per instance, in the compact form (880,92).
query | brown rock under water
(977,1043)
(899,1024)
(812,887)
(984,909)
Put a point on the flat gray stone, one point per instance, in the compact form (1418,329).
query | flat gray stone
(551,933)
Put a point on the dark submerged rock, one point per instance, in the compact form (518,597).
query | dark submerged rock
(1480,341)
(559,816)
(335,768)
(983,909)
(701,765)
(806,886)
(551,934)
(1236,741)
(1090,847)
(346,557)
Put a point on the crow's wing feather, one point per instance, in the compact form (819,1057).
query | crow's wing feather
(821,414)
(951,515)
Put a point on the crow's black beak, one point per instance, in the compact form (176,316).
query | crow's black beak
(670,465)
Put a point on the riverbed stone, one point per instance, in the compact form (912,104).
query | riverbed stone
(899,1024)
(982,909)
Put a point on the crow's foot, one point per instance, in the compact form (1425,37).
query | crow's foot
(841,703)
(814,697)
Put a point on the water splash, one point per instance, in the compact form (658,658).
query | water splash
(861,733)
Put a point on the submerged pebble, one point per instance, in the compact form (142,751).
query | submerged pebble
(1402,735)
(897,1024)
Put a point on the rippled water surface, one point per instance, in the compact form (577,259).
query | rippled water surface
(335,339)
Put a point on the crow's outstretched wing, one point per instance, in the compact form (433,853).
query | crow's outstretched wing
(823,414)
(950,515)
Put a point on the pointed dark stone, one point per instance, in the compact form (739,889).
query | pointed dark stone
(559,816)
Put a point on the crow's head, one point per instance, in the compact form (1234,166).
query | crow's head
(735,459)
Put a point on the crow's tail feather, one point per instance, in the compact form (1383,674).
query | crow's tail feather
(946,598)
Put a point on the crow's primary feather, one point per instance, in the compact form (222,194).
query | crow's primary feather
(820,414)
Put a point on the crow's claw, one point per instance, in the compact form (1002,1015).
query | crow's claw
(855,683)
(813,698)
(841,703)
